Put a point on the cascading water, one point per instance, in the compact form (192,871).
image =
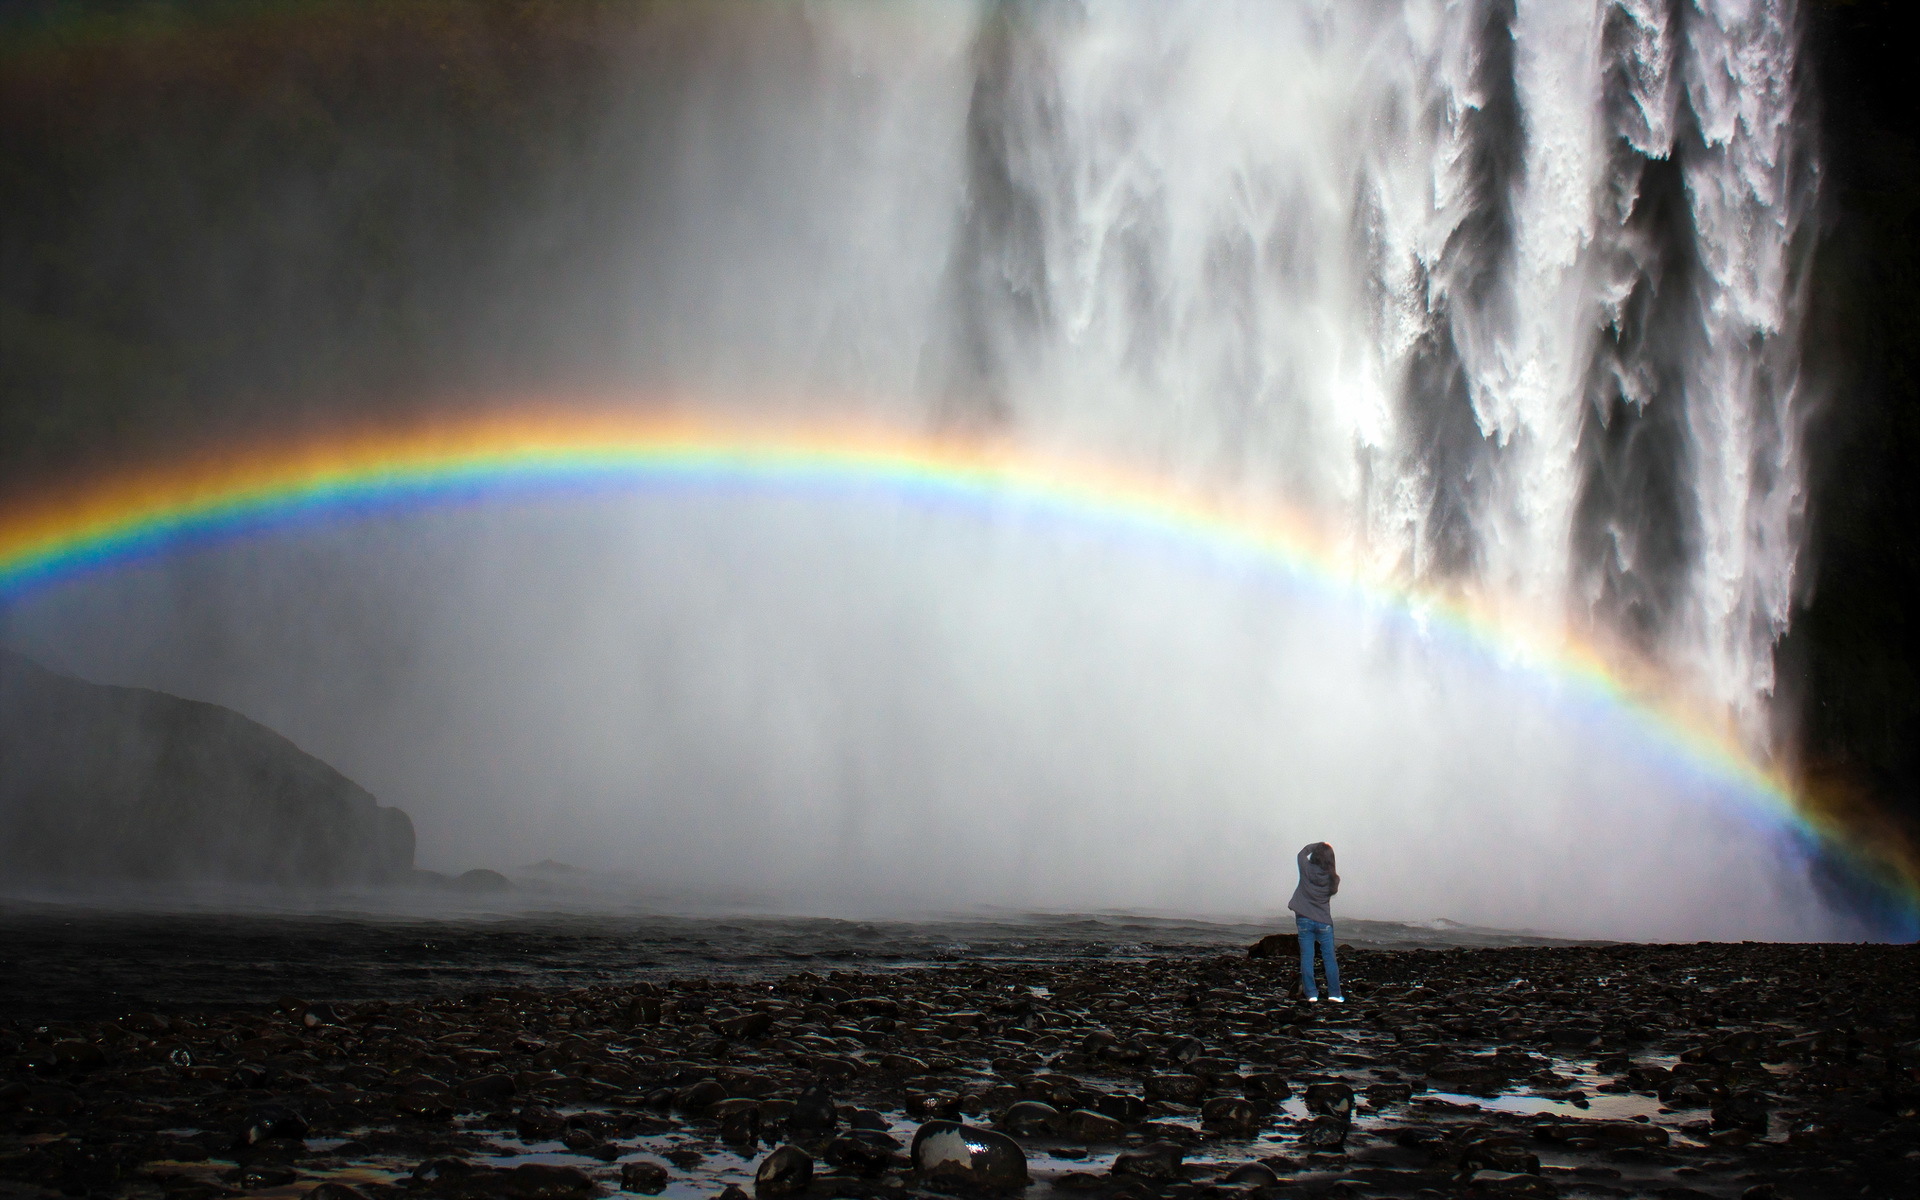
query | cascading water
(1507,292)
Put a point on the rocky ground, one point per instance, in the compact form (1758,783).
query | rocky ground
(1669,1071)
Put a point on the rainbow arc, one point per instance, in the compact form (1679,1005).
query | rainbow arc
(253,490)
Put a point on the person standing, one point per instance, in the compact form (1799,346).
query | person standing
(1318,884)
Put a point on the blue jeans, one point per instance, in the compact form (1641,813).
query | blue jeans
(1317,933)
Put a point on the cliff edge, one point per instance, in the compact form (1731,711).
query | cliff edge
(102,784)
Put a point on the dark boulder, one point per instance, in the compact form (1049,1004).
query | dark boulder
(814,1115)
(1330,1100)
(1029,1118)
(864,1152)
(647,1178)
(1276,945)
(272,1121)
(1324,1133)
(782,1173)
(1251,1175)
(1230,1114)
(954,1153)
(1083,1125)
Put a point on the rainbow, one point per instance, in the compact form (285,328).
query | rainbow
(133,515)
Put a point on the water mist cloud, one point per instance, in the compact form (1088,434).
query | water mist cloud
(879,707)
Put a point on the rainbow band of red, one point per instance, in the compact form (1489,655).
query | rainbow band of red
(140,514)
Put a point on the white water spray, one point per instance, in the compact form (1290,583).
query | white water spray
(1509,293)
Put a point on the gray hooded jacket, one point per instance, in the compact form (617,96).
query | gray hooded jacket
(1318,883)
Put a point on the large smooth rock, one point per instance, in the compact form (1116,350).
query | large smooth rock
(782,1173)
(1230,1114)
(640,1175)
(1083,1125)
(1330,1100)
(1029,1118)
(966,1154)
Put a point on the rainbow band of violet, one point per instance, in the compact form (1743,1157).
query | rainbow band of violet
(257,489)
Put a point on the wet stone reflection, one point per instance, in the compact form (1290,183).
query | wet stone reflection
(1671,1071)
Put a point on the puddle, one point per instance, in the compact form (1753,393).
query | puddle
(1600,1106)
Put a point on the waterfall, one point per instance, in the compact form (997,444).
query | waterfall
(1506,293)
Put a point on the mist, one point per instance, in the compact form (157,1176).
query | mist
(871,709)
(1507,297)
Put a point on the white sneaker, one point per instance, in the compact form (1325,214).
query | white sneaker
(1313,999)
(1338,999)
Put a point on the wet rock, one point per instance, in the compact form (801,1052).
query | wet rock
(1474,1078)
(1081,1181)
(313,1016)
(271,1121)
(698,1097)
(255,1176)
(1574,1036)
(1121,1107)
(1324,1133)
(440,1170)
(967,1155)
(1380,1095)
(1251,1175)
(589,1144)
(864,1152)
(1029,1118)
(814,1115)
(1230,1114)
(640,1175)
(537,1123)
(1330,1100)
(1742,1110)
(1156,1161)
(740,1121)
(1276,945)
(1084,1126)
(1497,1152)
(746,1025)
(784,1172)
(1178,1088)
(336,1191)
(1266,1086)
(248,1075)
(72,1054)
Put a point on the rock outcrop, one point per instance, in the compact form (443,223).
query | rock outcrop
(102,785)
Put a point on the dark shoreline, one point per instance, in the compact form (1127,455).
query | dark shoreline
(1584,1070)
(69,961)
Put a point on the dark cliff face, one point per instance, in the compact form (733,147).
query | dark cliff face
(123,785)
(1850,666)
